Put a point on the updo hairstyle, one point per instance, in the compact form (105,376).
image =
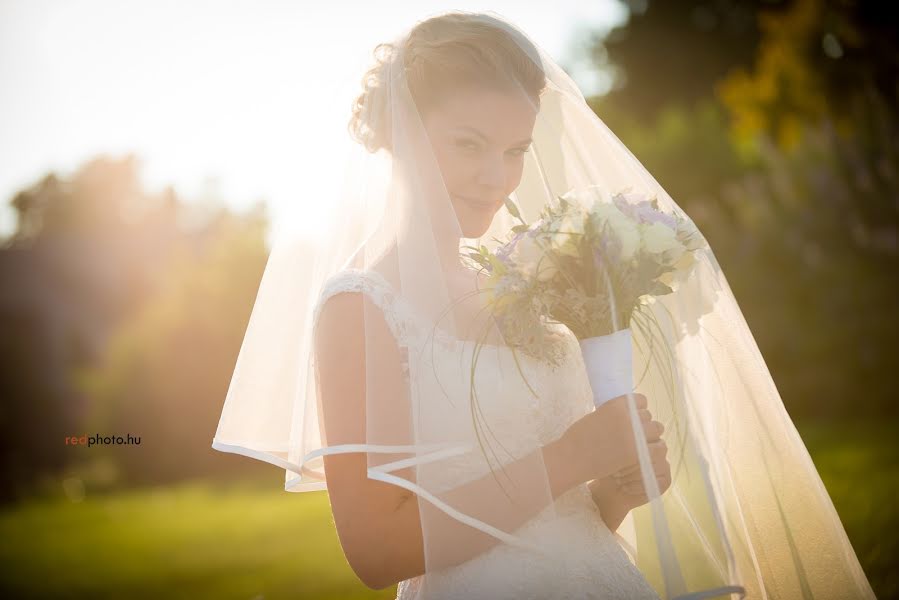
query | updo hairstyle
(440,54)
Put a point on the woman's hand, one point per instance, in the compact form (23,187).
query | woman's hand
(602,441)
(617,494)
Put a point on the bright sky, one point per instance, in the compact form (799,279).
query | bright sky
(231,98)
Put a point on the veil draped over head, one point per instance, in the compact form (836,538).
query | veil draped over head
(746,513)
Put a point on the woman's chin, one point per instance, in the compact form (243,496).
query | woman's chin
(474,230)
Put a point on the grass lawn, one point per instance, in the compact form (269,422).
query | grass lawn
(189,541)
(859,464)
(205,540)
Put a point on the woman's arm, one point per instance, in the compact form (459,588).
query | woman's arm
(484,500)
(610,507)
(379,524)
(615,499)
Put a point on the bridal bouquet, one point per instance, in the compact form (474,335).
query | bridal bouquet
(588,262)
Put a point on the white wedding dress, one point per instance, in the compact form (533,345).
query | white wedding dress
(588,561)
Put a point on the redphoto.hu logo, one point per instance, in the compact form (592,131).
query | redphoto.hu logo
(104,440)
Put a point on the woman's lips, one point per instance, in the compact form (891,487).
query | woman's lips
(478,204)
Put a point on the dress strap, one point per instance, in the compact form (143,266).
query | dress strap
(397,314)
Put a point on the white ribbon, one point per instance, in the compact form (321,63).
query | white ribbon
(609,363)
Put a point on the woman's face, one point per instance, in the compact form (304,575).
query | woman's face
(480,136)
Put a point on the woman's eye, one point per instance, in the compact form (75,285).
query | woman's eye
(467,144)
(519,151)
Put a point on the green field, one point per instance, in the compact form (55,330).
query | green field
(859,464)
(205,540)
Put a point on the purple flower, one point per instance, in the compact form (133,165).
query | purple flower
(506,249)
(534,228)
(657,216)
(643,211)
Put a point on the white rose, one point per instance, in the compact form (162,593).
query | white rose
(627,232)
(617,224)
(604,210)
(659,238)
(532,260)
(567,235)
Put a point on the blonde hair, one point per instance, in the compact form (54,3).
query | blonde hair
(439,54)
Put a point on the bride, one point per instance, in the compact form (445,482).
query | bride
(456,464)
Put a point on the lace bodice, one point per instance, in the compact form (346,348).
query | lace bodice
(563,393)
(589,561)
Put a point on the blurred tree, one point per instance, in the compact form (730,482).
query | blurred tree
(821,222)
(666,59)
(93,201)
(819,108)
(92,255)
(69,271)
(813,60)
(673,53)
(167,368)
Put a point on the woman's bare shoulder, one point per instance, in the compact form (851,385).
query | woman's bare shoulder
(345,318)
(339,324)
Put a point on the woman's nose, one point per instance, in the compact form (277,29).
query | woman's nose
(493,172)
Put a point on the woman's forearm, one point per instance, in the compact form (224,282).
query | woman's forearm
(612,514)
(522,495)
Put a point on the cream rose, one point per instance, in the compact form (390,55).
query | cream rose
(532,260)
(567,234)
(619,225)
(659,239)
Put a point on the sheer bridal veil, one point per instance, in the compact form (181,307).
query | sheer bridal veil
(746,514)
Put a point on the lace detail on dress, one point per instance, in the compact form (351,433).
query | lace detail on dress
(587,564)
(397,314)
(411,331)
